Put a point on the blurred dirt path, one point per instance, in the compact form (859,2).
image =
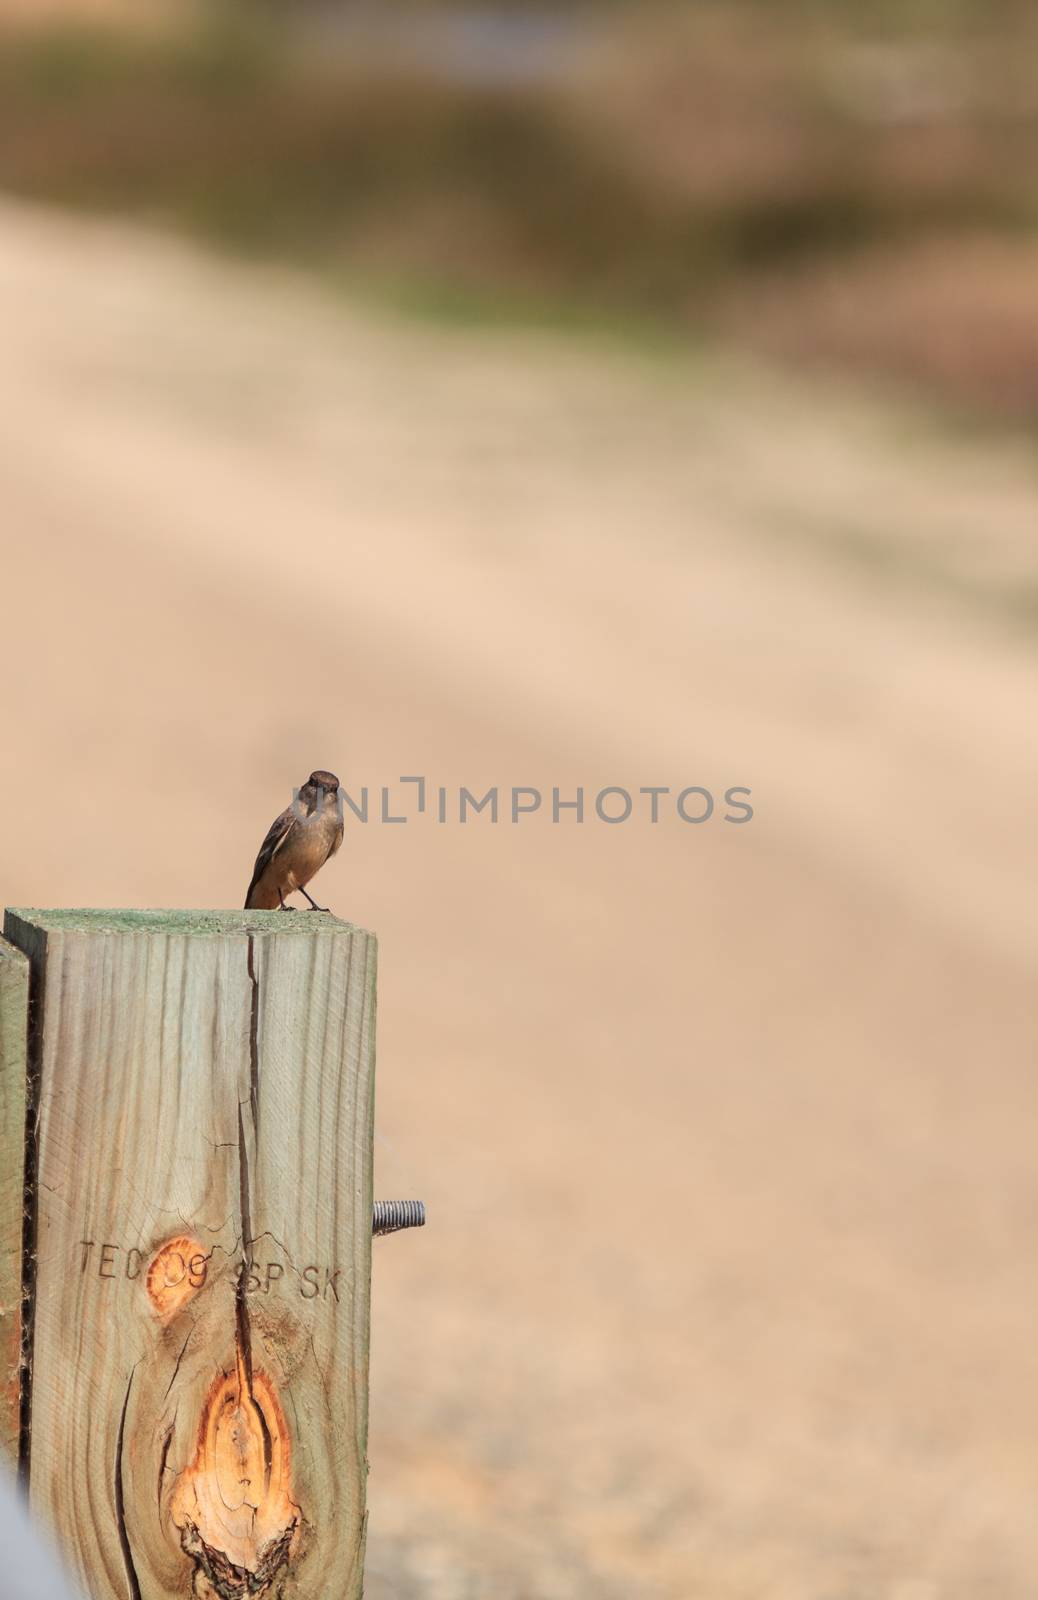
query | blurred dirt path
(726,1133)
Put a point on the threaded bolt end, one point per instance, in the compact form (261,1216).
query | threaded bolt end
(389,1216)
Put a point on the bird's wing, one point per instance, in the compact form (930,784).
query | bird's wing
(278,832)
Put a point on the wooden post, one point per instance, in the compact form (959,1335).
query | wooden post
(194,1398)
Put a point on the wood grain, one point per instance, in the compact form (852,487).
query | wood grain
(14,1012)
(199,1380)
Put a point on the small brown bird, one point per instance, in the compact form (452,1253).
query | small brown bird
(299,843)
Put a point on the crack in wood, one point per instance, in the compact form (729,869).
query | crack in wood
(242,1318)
(254,1036)
(120,1503)
(179,1359)
(267,1234)
(243,1323)
(166,1442)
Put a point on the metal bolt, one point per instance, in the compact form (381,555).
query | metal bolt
(389,1216)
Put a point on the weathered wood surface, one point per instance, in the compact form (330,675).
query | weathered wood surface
(14,1012)
(198,1409)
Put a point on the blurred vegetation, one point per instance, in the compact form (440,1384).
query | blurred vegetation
(841,182)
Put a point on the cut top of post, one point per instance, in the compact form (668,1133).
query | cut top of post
(183,922)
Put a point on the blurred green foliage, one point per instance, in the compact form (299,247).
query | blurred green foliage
(687,161)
